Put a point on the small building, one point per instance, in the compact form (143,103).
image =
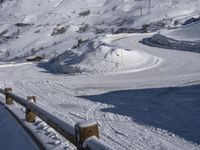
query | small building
(35,58)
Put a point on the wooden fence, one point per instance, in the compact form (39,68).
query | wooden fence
(84,135)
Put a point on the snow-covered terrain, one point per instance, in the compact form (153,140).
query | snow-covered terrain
(49,27)
(189,32)
(115,113)
(11,132)
(104,58)
(143,97)
(184,38)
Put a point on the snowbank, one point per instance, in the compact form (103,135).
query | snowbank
(190,33)
(184,38)
(13,135)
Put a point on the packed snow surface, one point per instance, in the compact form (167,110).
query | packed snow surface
(129,116)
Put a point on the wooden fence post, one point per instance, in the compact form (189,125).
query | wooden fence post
(84,130)
(30,116)
(9,100)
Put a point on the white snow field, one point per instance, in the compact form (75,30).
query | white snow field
(143,97)
(158,118)
(50,27)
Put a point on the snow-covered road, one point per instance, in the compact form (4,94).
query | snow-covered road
(177,68)
(128,118)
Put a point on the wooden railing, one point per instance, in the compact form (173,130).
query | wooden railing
(84,135)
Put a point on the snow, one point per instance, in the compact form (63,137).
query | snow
(184,38)
(86,124)
(95,144)
(47,136)
(12,134)
(142,97)
(105,58)
(120,127)
(189,32)
(45,16)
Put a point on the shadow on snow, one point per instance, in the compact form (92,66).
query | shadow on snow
(174,109)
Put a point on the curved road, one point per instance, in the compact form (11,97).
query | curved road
(128,118)
(177,69)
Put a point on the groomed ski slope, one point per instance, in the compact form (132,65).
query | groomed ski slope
(128,118)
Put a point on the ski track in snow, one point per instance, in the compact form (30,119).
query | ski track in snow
(56,93)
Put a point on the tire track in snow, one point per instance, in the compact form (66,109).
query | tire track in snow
(28,89)
(145,136)
(111,133)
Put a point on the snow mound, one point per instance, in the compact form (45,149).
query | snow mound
(105,59)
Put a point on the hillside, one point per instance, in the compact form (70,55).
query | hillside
(185,38)
(130,65)
(50,27)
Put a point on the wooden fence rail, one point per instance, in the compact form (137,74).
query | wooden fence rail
(84,135)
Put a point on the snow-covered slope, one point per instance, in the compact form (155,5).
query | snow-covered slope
(184,38)
(190,32)
(50,27)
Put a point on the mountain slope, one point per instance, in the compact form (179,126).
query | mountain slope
(50,27)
